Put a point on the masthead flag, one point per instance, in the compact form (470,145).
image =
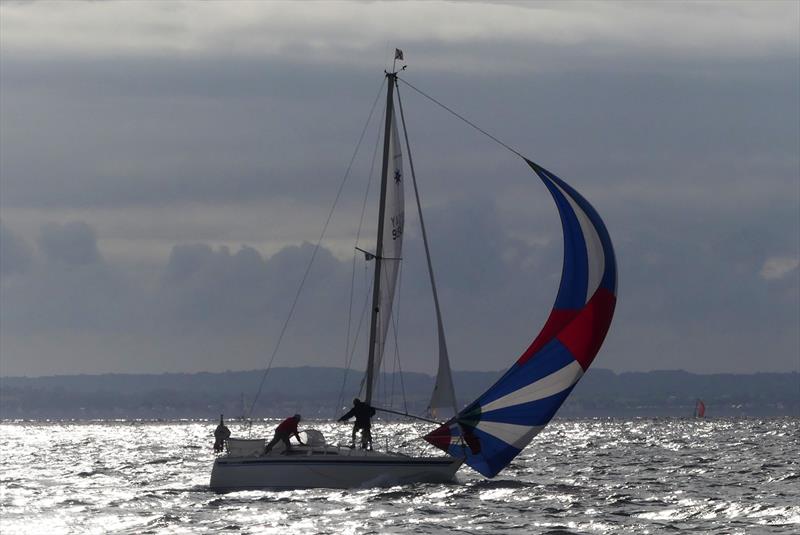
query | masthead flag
(398,54)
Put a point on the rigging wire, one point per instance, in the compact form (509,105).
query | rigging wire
(364,205)
(407,414)
(314,254)
(380,385)
(459,116)
(396,333)
(350,348)
(400,370)
(349,360)
(394,323)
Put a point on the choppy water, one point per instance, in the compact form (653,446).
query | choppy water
(579,476)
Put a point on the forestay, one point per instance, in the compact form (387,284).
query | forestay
(493,429)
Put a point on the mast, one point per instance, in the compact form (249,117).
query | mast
(376,284)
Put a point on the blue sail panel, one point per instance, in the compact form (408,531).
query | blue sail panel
(574,272)
(493,456)
(609,274)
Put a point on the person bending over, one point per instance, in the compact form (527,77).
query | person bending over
(285,429)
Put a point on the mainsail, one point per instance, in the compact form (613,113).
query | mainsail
(392,242)
(389,250)
(493,429)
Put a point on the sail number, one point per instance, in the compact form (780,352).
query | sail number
(397,226)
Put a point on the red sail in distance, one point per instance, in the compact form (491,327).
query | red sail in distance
(700,409)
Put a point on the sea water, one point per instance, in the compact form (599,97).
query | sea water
(578,476)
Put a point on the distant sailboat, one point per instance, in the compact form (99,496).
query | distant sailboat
(489,432)
(700,409)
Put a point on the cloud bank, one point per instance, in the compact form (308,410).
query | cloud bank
(165,167)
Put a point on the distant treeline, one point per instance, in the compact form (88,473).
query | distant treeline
(323,392)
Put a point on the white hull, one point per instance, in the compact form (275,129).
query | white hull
(328,467)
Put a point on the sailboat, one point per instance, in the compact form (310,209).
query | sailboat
(491,431)
(700,409)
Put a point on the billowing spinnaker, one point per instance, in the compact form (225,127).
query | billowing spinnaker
(493,429)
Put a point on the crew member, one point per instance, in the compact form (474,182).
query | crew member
(221,434)
(285,429)
(362,412)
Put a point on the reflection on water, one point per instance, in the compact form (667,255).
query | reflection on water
(578,476)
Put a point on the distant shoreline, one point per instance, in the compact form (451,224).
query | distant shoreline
(315,391)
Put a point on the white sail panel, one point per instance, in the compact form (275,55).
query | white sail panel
(443,399)
(547,386)
(594,247)
(393,226)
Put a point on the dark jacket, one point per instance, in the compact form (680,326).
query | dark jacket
(362,413)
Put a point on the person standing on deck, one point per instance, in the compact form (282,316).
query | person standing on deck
(362,412)
(285,429)
(221,434)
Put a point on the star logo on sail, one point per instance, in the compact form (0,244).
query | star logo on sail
(397,176)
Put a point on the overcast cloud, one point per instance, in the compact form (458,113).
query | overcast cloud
(165,168)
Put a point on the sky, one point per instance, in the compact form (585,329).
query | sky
(166,169)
